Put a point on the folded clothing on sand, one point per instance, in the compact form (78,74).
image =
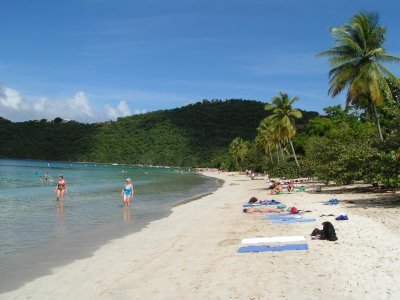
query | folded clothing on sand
(275,239)
(342,217)
(286,221)
(332,201)
(264,248)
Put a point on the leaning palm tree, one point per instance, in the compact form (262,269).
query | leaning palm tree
(283,119)
(357,64)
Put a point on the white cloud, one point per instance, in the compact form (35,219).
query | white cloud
(15,107)
(10,98)
(121,110)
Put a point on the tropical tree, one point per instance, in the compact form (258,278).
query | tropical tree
(270,139)
(238,149)
(283,119)
(357,64)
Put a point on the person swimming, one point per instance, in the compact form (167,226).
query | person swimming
(127,192)
(61,188)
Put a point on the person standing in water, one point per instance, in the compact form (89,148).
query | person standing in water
(61,188)
(127,192)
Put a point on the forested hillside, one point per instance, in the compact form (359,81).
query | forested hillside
(188,136)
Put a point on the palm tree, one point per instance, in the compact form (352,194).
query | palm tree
(356,62)
(271,138)
(238,149)
(282,121)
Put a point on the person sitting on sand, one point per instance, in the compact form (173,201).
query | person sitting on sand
(262,210)
(277,189)
(290,187)
(327,232)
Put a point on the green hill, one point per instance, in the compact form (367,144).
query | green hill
(188,136)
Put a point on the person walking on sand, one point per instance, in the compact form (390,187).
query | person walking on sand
(61,188)
(127,192)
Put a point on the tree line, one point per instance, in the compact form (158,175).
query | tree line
(360,142)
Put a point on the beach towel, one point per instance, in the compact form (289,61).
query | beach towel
(286,221)
(275,239)
(264,248)
(282,216)
(262,203)
(296,190)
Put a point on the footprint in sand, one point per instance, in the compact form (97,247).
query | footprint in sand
(229,242)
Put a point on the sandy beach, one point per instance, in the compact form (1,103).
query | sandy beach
(192,254)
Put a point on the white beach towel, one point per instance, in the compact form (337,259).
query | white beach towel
(276,239)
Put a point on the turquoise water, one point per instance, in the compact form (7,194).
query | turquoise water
(37,232)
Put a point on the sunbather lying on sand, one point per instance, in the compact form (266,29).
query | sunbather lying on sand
(262,210)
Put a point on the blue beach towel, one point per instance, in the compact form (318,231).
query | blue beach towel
(264,248)
(262,203)
(282,216)
(285,221)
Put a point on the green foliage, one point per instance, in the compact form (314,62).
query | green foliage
(387,168)
(279,128)
(286,169)
(239,149)
(357,64)
(192,135)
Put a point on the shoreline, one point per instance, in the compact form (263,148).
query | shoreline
(35,262)
(192,254)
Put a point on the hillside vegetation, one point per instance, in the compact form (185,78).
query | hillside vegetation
(192,135)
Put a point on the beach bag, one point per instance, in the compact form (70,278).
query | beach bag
(294,210)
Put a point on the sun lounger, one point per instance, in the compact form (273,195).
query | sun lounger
(264,248)
(275,239)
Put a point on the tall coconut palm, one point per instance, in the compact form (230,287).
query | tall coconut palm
(357,64)
(238,149)
(264,143)
(272,138)
(283,119)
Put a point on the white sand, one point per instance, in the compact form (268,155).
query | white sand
(192,255)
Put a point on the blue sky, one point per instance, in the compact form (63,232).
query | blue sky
(93,60)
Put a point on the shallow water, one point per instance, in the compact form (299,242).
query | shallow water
(38,233)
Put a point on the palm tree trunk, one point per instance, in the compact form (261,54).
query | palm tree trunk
(294,153)
(270,154)
(283,155)
(378,124)
(277,155)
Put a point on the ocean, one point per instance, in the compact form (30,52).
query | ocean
(38,233)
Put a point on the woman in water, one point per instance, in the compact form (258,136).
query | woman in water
(61,188)
(127,192)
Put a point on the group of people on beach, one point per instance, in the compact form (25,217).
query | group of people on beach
(277,187)
(127,192)
(256,206)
